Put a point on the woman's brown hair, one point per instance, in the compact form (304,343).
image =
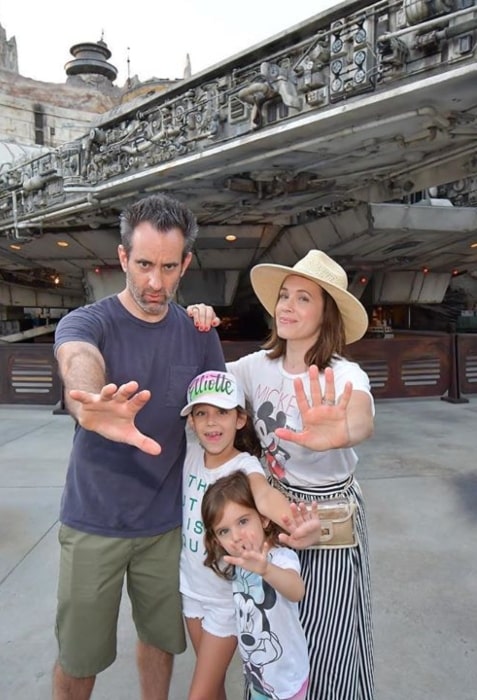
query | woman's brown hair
(330,343)
(236,488)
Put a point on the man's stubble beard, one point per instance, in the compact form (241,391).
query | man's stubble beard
(150,308)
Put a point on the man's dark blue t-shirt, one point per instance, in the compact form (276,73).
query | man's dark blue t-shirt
(113,489)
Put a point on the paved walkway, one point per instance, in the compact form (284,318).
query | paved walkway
(419,476)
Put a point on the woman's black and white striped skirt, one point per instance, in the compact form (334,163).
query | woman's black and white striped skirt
(336,610)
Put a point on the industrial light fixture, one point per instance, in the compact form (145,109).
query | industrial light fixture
(62,244)
(472,245)
(230,237)
(15,246)
(425,270)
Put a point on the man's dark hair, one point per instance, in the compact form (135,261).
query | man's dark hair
(162,212)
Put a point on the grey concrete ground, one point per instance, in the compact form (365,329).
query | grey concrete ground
(419,476)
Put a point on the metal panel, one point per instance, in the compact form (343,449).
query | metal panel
(407,287)
(28,374)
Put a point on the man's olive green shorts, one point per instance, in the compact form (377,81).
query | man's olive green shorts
(92,571)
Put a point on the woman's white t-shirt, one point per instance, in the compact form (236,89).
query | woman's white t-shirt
(269,389)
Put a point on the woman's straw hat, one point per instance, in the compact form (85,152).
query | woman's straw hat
(320,268)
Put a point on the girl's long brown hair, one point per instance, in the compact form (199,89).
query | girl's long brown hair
(330,343)
(236,488)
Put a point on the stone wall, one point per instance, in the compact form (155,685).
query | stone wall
(68,111)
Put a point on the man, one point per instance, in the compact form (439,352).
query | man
(126,362)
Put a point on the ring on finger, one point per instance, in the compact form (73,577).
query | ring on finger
(327,402)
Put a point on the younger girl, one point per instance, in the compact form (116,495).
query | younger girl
(226,443)
(242,547)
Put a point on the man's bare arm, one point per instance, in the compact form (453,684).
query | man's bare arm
(103,408)
(81,367)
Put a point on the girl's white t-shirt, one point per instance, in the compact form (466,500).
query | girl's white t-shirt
(196,580)
(271,640)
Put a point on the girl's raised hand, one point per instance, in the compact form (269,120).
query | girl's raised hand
(304,526)
(252,558)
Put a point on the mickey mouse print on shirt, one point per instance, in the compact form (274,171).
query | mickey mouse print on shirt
(265,426)
(270,638)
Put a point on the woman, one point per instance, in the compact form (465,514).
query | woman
(310,406)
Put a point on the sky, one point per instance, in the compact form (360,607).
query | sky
(157,36)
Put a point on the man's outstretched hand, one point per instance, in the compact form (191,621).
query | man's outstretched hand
(111,414)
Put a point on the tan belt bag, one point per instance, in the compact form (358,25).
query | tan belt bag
(337,518)
(338,524)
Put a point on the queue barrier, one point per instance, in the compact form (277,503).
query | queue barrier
(411,364)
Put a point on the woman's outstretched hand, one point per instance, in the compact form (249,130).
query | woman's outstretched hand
(204,316)
(325,420)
